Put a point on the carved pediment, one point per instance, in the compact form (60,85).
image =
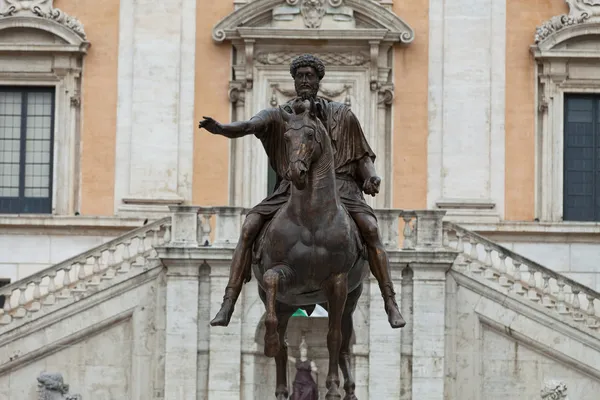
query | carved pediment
(313,19)
(38,18)
(582,19)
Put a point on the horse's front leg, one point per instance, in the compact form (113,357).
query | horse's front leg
(345,354)
(272,280)
(337,293)
(284,313)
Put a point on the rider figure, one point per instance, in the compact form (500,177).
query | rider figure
(354,171)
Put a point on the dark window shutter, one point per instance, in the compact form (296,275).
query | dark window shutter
(581,152)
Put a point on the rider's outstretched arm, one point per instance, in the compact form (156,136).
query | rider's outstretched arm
(234,130)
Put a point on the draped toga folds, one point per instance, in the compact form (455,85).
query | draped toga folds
(349,144)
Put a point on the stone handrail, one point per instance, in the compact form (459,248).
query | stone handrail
(420,229)
(521,276)
(84,272)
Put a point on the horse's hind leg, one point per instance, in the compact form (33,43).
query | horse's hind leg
(347,330)
(337,291)
(272,279)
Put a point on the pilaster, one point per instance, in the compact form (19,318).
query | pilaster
(182,308)
(224,375)
(181,345)
(429,292)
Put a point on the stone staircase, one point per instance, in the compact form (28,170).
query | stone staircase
(83,275)
(495,266)
(520,278)
(54,307)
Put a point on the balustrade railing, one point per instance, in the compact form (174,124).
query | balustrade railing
(399,229)
(83,273)
(523,277)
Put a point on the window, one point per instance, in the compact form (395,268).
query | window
(26,149)
(582,158)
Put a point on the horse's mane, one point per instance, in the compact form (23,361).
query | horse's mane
(302,108)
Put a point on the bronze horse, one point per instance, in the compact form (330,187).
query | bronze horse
(310,252)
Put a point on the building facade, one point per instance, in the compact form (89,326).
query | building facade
(488,110)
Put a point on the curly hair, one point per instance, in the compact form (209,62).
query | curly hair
(307,60)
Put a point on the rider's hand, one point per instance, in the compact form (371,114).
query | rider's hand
(371,185)
(210,125)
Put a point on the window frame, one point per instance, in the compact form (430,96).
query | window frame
(22,201)
(52,57)
(595,98)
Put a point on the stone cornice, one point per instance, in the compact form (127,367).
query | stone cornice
(238,24)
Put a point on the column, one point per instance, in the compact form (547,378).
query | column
(429,307)
(181,353)
(384,343)
(429,290)
(182,291)
(224,375)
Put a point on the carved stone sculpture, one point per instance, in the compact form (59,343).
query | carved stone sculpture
(554,390)
(52,387)
(580,11)
(40,8)
(305,387)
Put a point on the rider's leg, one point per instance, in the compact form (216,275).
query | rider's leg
(240,265)
(379,263)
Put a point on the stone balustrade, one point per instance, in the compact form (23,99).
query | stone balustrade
(83,274)
(399,229)
(514,274)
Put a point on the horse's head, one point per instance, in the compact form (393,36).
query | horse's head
(304,137)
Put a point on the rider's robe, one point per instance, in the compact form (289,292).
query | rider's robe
(349,145)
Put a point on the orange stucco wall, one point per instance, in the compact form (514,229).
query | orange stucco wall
(99,102)
(522,18)
(213,66)
(410,105)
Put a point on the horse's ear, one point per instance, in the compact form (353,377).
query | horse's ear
(284,114)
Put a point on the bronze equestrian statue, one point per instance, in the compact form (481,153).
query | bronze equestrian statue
(354,169)
(308,236)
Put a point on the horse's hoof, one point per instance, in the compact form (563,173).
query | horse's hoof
(271,345)
(224,315)
(333,394)
(351,396)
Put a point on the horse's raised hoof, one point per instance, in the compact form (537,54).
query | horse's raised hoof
(394,317)
(224,315)
(271,344)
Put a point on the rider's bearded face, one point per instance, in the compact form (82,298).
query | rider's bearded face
(306,83)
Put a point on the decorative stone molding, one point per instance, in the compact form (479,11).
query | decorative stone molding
(52,387)
(376,22)
(42,9)
(53,58)
(331,58)
(564,52)
(555,390)
(580,12)
(386,94)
